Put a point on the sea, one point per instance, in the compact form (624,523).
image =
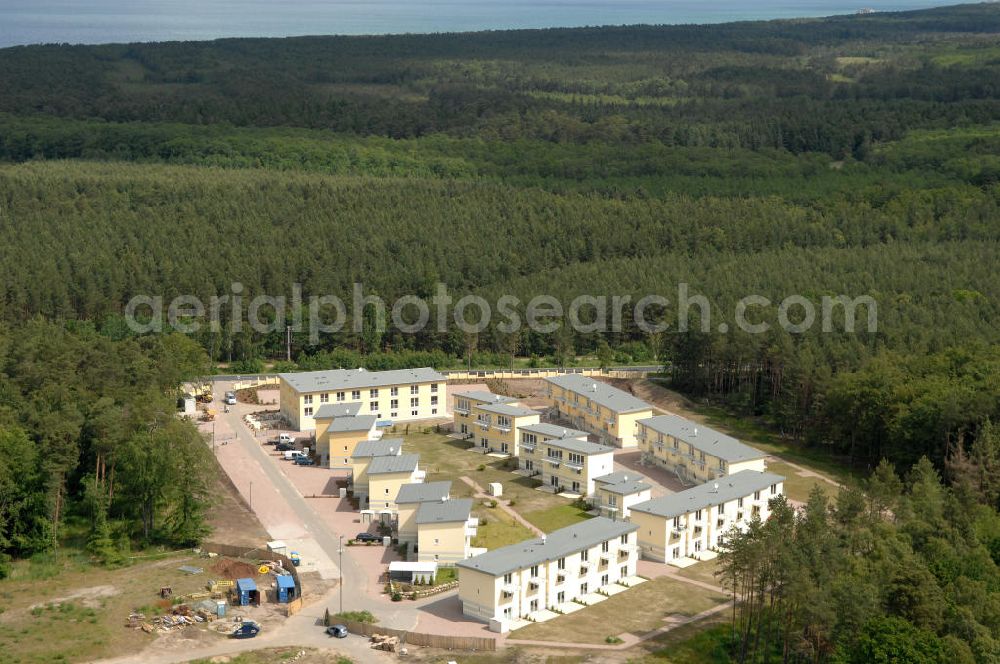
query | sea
(110,21)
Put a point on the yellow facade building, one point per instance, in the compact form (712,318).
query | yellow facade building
(338,431)
(599,408)
(563,458)
(614,494)
(364,452)
(409,499)
(690,523)
(492,421)
(445,529)
(694,452)
(514,582)
(386,475)
(401,395)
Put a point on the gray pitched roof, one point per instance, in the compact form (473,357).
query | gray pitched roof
(554,431)
(623,483)
(738,485)
(352,379)
(601,393)
(483,395)
(367,449)
(557,544)
(329,410)
(356,423)
(421,493)
(507,409)
(579,446)
(444,511)
(404,463)
(703,438)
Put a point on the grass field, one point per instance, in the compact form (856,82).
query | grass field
(556,517)
(59,608)
(617,615)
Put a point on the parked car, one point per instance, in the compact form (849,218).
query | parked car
(247,629)
(367,537)
(292,455)
(339,631)
(286,438)
(284,447)
(231,398)
(304,461)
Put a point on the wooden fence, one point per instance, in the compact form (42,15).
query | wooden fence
(481,643)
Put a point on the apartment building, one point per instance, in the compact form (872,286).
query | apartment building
(445,529)
(614,494)
(400,395)
(564,458)
(409,499)
(339,428)
(513,582)
(697,520)
(464,409)
(386,474)
(364,452)
(593,405)
(694,452)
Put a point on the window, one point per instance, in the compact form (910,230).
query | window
(324,398)
(774,489)
(676,553)
(697,515)
(505,448)
(414,402)
(393,414)
(604,579)
(307,398)
(739,503)
(434,401)
(623,539)
(623,572)
(575,486)
(721,509)
(561,564)
(576,458)
(414,413)
(340,396)
(677,522)
(719,540)
(502,420)
(373,406)
(393,391)
(756,495)
(373,394)
(612,500)
(583,588)
(434,411)
(308,412)
(534,571)
(529,438)
(437,541)
(605,547)
(585,555)
(508,578)
(697,545)
(414,389)
(394,404)
(387,491)
(560,597)
(355,394)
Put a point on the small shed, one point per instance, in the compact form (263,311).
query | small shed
(277,546)
(190,405)
(246,592)
(415,572)
(285,586)
(496,489)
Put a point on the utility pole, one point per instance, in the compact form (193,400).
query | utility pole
(341,551)
(288,343)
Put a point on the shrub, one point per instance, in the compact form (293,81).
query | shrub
(481,467)
(397,596)
(613,640)
(413,595)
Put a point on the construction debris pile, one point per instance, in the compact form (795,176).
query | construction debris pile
(385,642)
(181,616)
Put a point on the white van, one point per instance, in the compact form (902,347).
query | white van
(291,455)
(286,438)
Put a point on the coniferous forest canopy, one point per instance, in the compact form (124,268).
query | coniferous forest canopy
(854,155)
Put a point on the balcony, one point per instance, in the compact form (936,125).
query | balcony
(528,447)
(505,428)
(461,411)
(554,461)
(575,465)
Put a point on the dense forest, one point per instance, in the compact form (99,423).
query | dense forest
(853,156)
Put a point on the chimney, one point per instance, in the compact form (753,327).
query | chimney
(715,487)
(543,539)
(696,431)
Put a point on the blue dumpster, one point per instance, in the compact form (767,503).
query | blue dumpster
(286,588)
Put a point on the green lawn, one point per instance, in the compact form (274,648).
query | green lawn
(620,614)
(796,486)
(703,571)
(497,529)
(556,517)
